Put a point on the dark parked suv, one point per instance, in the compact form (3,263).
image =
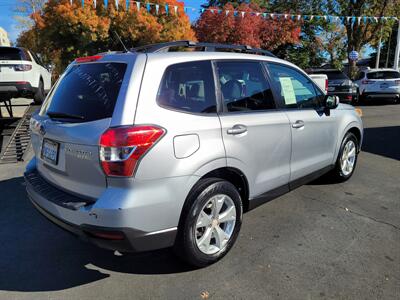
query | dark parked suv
(339,84)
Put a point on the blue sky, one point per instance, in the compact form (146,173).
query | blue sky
(8,22)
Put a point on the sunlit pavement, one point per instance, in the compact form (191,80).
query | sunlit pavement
(320,241)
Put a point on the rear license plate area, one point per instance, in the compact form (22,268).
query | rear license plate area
(50,151)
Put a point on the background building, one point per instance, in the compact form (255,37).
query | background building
(4,41)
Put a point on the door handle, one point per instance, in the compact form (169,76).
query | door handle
(237,129)
(298,124)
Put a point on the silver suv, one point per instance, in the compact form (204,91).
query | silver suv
(153,148)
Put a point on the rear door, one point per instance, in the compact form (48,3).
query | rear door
(67,130)
(256,135)
(314,133)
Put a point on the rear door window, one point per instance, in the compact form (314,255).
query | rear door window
(87,92)
(244,86)
(188,87)
(10,53)
(383,75)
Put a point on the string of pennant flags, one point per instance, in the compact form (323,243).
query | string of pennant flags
(168,9)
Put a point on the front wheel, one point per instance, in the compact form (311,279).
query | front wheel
(210,222)
(347,158)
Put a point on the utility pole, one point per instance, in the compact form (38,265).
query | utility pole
(378,55)
(397,53)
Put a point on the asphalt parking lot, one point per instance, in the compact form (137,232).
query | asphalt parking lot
(320,241)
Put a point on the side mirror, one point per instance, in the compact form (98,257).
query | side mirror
(331,102)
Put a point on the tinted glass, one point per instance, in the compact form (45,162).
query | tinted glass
(188,87)
(9,53)
(383,75)
(296,89)
(89,91)
(244,87)
(335,75)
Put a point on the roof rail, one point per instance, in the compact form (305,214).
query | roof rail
(165,47)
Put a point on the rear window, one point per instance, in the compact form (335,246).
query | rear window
(383,75)
(87,92)
(336,75)
(7,53)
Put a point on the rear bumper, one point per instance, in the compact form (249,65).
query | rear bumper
(17,89)
(80,217)
(375,95)
(344,96)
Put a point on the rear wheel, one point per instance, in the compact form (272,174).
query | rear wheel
(347,158)
(39,95)
(210,222)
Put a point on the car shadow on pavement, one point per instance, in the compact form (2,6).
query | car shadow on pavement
(36,255)
(383,141)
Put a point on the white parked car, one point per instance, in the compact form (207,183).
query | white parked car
(22,74)
(379,83)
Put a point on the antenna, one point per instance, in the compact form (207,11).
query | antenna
(119,39)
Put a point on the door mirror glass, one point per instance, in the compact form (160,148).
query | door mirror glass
(331,102)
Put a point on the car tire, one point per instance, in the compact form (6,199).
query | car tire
(39,95)
(347,158)
(211,201)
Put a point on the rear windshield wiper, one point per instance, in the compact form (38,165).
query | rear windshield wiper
(56,115)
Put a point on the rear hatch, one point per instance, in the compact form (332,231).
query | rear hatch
(67,130)
(338,82)
(13,63)
(383,82)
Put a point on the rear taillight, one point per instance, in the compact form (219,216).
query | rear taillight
(367,81)
(22,67)
(326,85)
(121,148)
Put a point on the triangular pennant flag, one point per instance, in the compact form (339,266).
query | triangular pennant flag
(94,3)
(226,12)
(293,17)
(358,21)
(285,16)
(348,19)
(176,9)
(376,19)
(83,3)
(298,17)
(257,14)
(202,10)
(138,5)
(235,13)
(212,11)
(185,9)
(116,4)
(127,4)
(353,19)
(70,1)
(304,17)
(265,15)
(271,15)
(219,11)
(311,17)
(242,13)
(157,8)
(148,7)
(166,9)
(365,20)
(325,17)
(317,18)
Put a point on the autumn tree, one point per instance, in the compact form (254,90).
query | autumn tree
(63,31)
(250,29)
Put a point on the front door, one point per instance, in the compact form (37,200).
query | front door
(314,133)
